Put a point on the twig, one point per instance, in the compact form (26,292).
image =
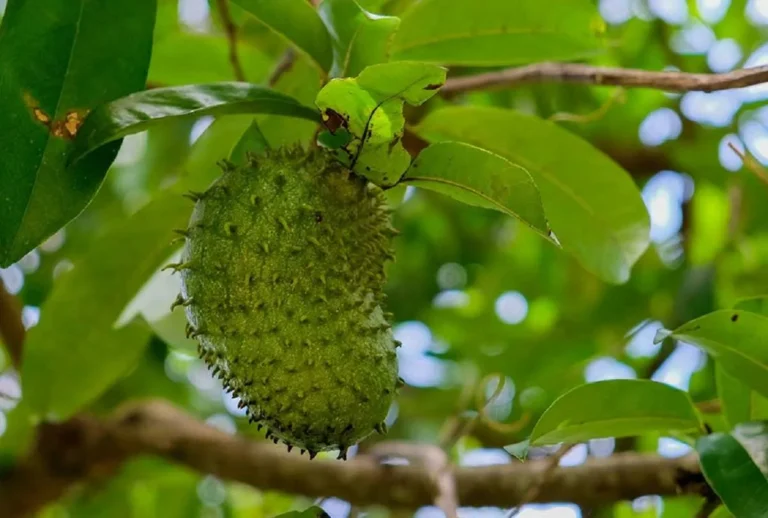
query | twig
(85,448)
(606,76)
(708,507)
(534,490)
(283,66)
(12,330)
(231,30)
(750,163)
(618,96)
(437,464)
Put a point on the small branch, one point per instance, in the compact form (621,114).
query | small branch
(283,66)
(86,448)
(669,81)
(12,330)
(437,464)
(231,30)
(533,491)
(751,163)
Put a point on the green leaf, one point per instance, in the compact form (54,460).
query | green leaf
(735,466)
(67,364)
(252,141)
(370,108)
(736,340)
(297,22)
(757,305)
(142,110)
(18,436)
(478,177)
(360,38)
(592,205)
(498,32)
(58,60)
(171,58)
(519,450)
(615,408)
(740,404)
(302,82)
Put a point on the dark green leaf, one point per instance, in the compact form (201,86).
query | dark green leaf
(311,512)
(298,22)
(735,466)
(592,205)
(478,177)
(360,38)
(370,108)
(615,408)
(252,141)
(736,340)
(58,60)
(141,110)
(498,32)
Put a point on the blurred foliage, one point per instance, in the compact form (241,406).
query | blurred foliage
(474,292)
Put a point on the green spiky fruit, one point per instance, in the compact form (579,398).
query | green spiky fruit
(282,279)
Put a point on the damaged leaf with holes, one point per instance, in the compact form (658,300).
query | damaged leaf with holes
(369,108)
(282,283)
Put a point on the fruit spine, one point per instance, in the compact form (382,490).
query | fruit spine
(282,283)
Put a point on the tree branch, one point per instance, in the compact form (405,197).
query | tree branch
(86,448)
(231,30)
(12,330)
(606,76)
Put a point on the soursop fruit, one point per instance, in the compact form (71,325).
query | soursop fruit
(282,284)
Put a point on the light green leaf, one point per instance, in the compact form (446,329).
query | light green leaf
(736,340)
(68,364)
(735,466)
(498,32)
(252,141)
(757,305)
(302,82)
(297,22)
(360,38)
(478,177)
(19,434)
(739,403)
(592,205)
(171,58)
(615,408)
(370,108)
(710,219)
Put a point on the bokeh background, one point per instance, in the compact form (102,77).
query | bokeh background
(474,293)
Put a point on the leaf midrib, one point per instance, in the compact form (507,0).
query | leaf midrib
(689,423)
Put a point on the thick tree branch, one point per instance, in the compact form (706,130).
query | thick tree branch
(606,76)
(86,448)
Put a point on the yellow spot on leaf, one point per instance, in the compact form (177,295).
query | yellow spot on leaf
(41,116)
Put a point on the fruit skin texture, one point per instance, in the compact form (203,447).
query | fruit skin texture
(282,283)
